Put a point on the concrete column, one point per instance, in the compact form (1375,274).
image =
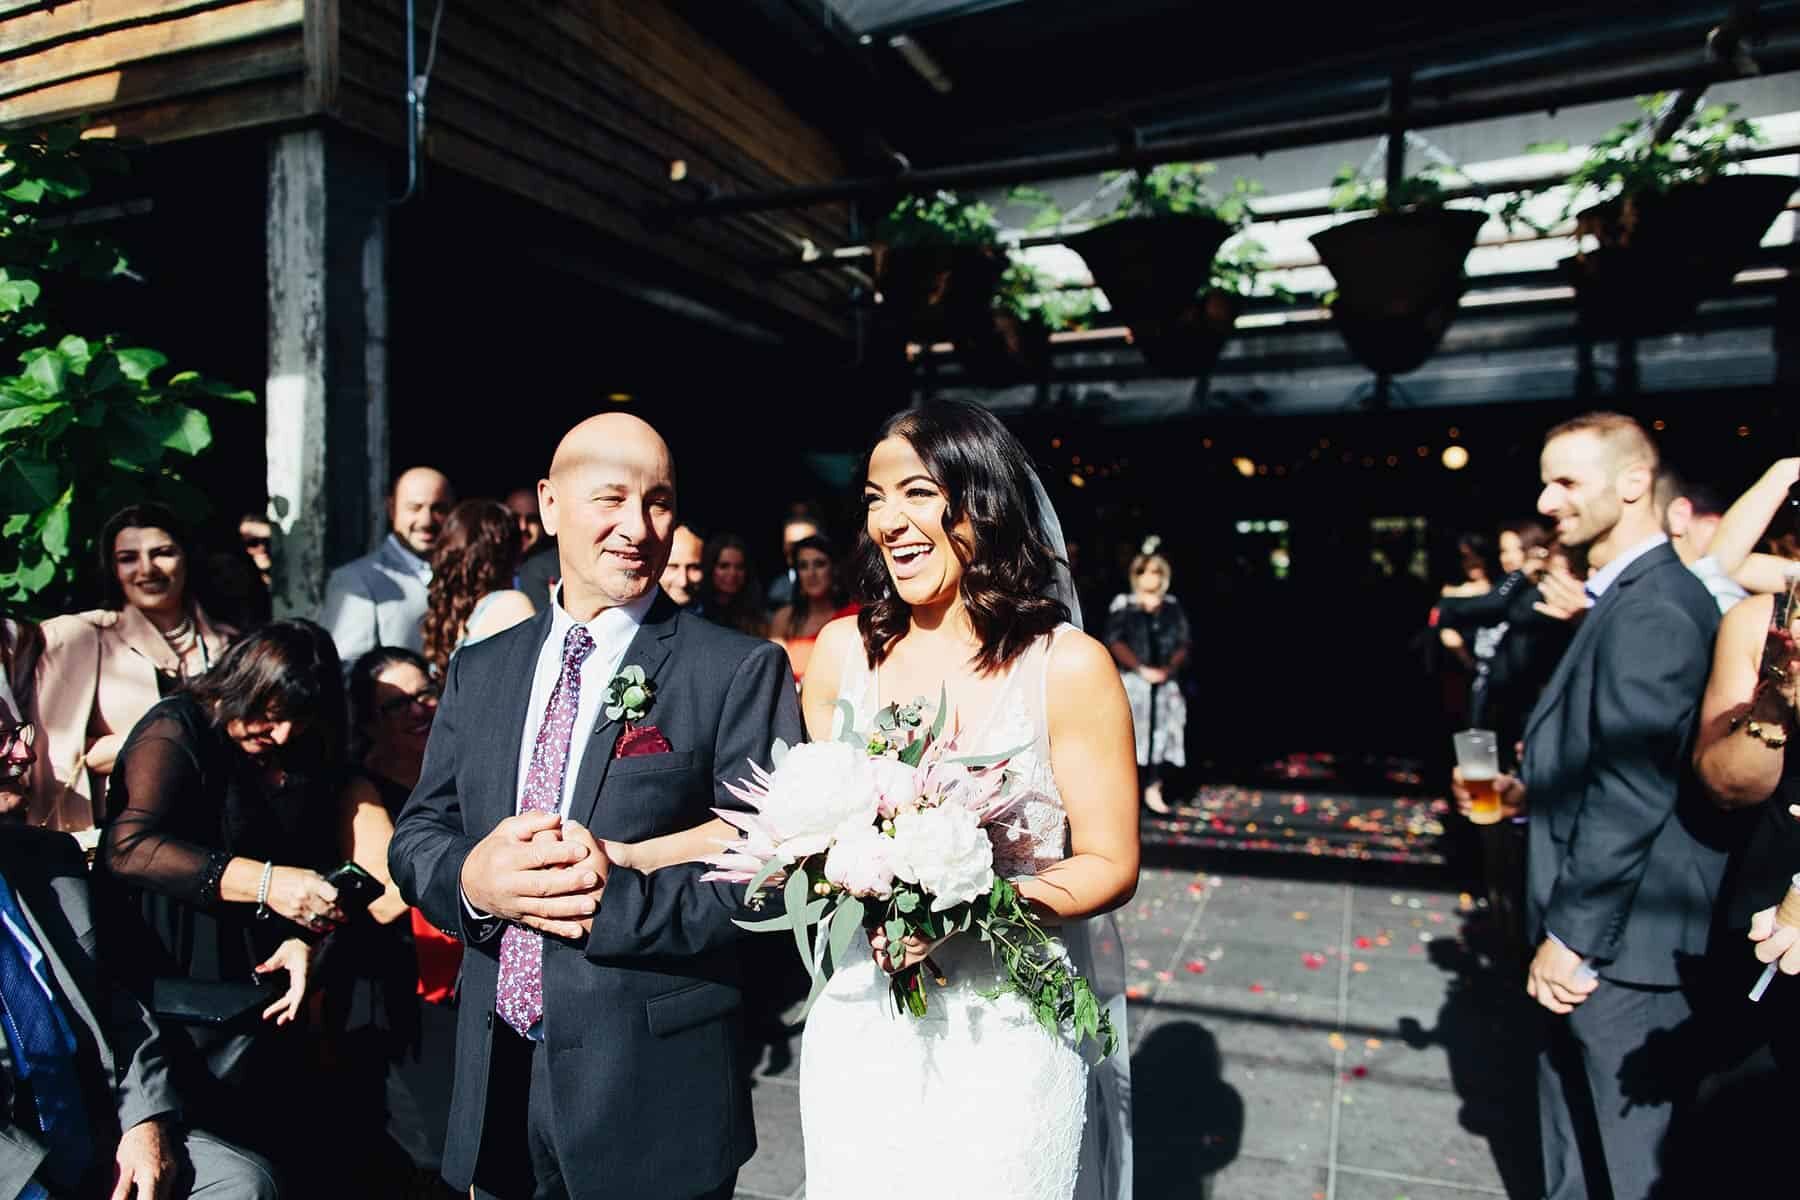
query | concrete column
(327,386)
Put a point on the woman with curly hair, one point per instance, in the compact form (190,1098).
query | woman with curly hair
(471,595)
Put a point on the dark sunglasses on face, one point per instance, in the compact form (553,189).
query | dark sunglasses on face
(256,543)
(395,705)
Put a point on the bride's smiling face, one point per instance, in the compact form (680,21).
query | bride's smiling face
(905,518)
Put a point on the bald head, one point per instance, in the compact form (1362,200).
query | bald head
(610,501)
(420,502)
(612,438)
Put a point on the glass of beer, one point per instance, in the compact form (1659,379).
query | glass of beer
(1478,758)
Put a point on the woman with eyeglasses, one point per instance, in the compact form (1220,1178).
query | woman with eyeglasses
(219,822)
(1148,635)
(103,670)
(391,992)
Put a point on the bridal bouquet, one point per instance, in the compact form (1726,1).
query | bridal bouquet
(888,830)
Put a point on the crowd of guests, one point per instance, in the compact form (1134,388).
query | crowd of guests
(230,780)
(1636,660)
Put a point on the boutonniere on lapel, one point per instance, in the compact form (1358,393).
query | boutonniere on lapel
(629,695)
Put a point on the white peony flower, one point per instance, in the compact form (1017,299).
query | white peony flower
(895,783)
(818,787)
(945,851)
(861,860)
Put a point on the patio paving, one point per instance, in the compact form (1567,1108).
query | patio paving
(1293,1040)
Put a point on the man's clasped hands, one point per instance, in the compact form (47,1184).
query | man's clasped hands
(540,870)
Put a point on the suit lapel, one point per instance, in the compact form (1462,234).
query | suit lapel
(56,957)
(515,698)
(1578,648)
(649,650)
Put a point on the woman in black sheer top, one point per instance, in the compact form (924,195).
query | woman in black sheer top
(220,816)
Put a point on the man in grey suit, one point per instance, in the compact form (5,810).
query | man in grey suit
(379,599)
(599,1045)
(1626,854)
(86,1105)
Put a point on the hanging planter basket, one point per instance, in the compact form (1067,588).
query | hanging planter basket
(1660,255)
(937,293)
(1154,271)
(1189,342)
(1011,351)
(1399,280)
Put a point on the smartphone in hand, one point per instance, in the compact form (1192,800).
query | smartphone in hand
(356,888)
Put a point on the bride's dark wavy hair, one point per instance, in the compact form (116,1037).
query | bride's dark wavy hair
(1007,565)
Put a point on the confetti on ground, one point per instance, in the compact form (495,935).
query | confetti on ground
(1337,1041)
(1363,943)
(1196,967)
(1256,987)
(1384,940)
(1302,916)
(1360,967)
(1373,1043)
(1312,960)
(1164,976)
(1142,964)
(1134,992)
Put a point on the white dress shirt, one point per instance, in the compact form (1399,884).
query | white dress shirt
(1606,576)
(612,630)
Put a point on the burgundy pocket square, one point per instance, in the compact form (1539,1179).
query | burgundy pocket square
(642,739)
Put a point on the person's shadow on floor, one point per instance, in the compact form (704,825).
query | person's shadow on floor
(1187,1122)
(1489,1030)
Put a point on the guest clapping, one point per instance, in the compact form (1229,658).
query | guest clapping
(471,596)
(219,816)
(730,594)
(102,670)
(818,597)
(1149,639)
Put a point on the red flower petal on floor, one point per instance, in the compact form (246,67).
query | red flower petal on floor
(1164,976)
(1312,961)
(1256,987)
(1362,943)
(1196,967)
(1359,1072)
(1135,993)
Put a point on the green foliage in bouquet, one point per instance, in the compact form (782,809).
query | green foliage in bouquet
(1033,295)
(81,411)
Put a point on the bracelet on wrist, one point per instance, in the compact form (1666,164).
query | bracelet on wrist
(262,891)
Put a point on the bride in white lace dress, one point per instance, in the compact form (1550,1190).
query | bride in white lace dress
(977,1099)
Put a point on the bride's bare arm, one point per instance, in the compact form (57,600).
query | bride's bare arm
(1095,763)
(671,849)
(818,695)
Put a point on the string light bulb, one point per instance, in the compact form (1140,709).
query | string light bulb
(1456,457)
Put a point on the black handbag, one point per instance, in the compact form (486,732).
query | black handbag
(219,1004)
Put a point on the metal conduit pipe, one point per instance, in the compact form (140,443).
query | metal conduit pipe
(1777,56)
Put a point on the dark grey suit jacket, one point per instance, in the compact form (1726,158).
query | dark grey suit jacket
(1626,852)
(119,1049)
(641,1023)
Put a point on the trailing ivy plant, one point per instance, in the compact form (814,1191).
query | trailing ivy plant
(938,219)
(86,425)
(1627,162)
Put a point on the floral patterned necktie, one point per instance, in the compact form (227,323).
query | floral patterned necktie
(520,998)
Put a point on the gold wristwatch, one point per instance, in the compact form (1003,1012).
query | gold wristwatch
(1771,735)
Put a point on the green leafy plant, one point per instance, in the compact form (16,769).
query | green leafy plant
(938,219)
(1239,268)
(1181,189)
(86,424)
(1627,163)
(1034,296)
(1351,191)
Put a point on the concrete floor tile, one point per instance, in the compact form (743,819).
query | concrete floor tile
(1263,1179)
(1354,1186)
(1429,1132)
(778,1167)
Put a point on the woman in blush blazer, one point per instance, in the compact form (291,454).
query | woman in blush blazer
(102,670)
